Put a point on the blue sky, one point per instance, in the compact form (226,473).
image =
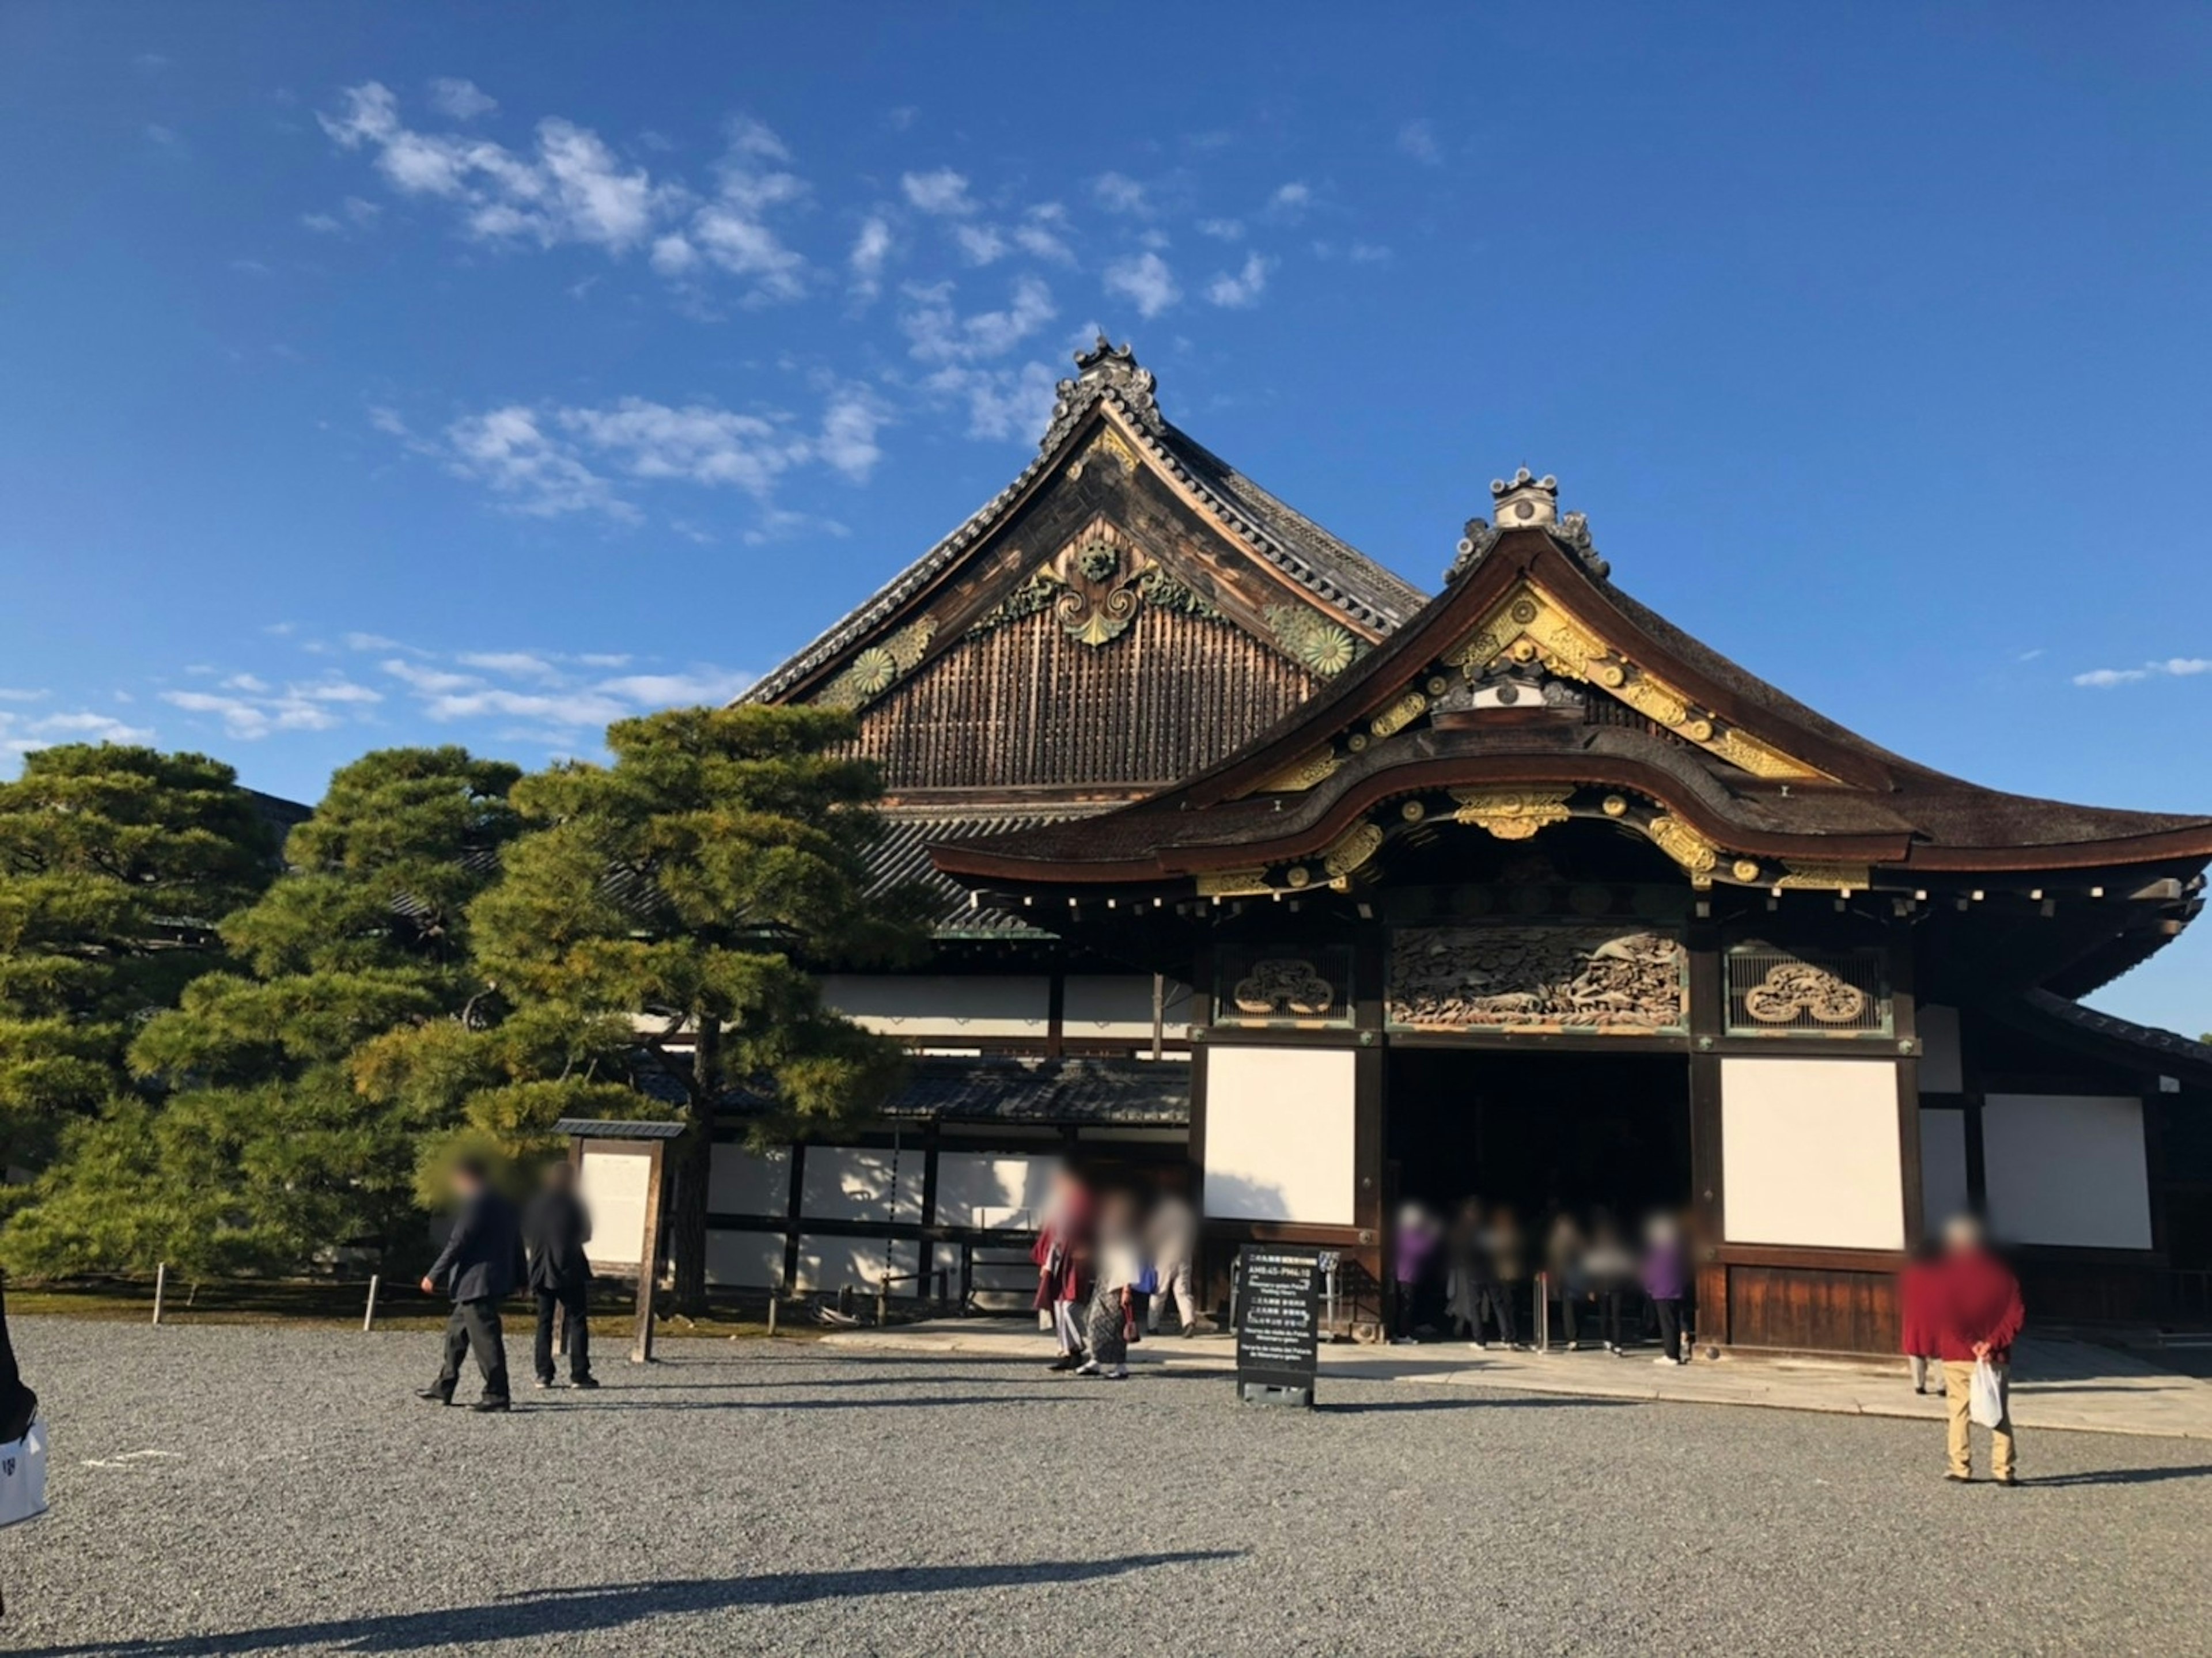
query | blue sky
(379,374)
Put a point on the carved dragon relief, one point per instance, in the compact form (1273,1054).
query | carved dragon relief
(1527,977)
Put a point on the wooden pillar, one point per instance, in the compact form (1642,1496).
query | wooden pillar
(1708,1171)
(648,1265)
(1905,1025)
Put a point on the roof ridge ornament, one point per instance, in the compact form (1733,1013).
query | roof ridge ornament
(1105,370)
(1525,501)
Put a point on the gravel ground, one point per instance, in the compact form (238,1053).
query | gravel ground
(249,1489)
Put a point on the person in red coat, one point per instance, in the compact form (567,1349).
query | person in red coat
(1916,1320)
(1062,1254)
(1979,1316)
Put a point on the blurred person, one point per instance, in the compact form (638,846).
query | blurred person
(18,1404)
(1978,1317)
(1412,1251)
(1610,1268)
(1061,1252)
(1505,1274)
(1916,1313)
(1112,1320)
(1666,1276)
(1171,1244)
(481,1264)
(1464,1257)
(1562,1267)
(556,1227)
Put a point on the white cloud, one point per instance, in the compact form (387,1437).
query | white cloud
(1117,192)
(164,137)
(980,243)
(941,191)
(1290,201)
(555,693)
(463,100)
(1242,288)
(2177,667)
(1002,403)
(249,709)
(549,460)
(1419,140)
(20,734)
(849,426)
(1040,237)
(872,250)
(1145,281)
(1222,230)
(508,450)
(573,189)
(937,333)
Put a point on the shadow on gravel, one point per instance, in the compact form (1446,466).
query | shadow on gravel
(926,1402)
(1541,1401)
(538,1615)
(2122,1477)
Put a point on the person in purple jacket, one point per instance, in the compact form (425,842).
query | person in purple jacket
(1667,1279)
(1414,1248)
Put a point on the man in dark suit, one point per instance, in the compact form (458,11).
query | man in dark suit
(554,1229)
(481,1263)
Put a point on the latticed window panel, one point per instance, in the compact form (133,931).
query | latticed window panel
(1784,993)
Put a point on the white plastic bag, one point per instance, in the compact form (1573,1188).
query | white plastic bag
(1985,1402)
(23,1477)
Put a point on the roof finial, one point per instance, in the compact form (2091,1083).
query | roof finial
(1526,502)
(1106,370)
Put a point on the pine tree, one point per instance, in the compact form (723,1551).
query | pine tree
(115,865)
(264,1151)
(683,887)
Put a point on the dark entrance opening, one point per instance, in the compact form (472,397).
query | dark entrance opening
(1540,1131)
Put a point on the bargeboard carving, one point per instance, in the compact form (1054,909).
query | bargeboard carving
(1525,977)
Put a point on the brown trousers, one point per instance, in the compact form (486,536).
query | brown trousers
(1958,1399)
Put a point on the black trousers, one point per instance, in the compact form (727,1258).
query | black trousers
(1497,1304)
(572,1299)
(1567,1299)
(474,1328)
(1608,1302)
(1670,1326)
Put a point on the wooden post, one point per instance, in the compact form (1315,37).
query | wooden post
(161,1288)
(1159,1012)
(883,1299)
(368,1317)
(648,1263)
(773,1300)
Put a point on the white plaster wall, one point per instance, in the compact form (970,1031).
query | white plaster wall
(614,1186)
(2067,1169)
(744,1260)
(1943,1167)
(1943,1069)
(1118,1007)
(1809,1153)
(857,1182)
(1280,1134)
(741,1182)
(913,1004)
(981,1189)
(826,1265)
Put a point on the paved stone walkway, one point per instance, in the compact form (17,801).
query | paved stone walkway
(2057,1384)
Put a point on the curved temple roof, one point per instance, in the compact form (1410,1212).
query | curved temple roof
(1534,685)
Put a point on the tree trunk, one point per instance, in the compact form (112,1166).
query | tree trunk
(695,1162)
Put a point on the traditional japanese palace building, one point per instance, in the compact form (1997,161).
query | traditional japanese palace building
(1257,862)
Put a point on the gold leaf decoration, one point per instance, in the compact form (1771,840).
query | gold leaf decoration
(1512,814)
(1827,877)
(1399,714)
(1233,884)
(1352,848)
(1684,844)
(1302,774)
